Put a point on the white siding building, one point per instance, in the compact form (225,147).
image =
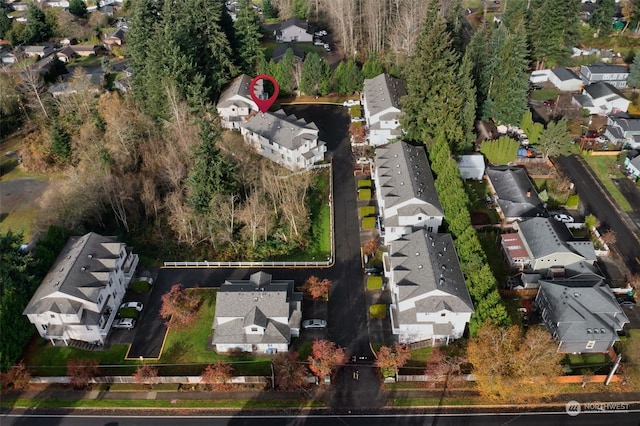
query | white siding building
(235,103)
(381,104)
(430,299)
(405,191)
(80,296)
(257,315)
(284,139)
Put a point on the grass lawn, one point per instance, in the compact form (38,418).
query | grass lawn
(320,247)
(86,61)
(604,166)
(544,94)
(185,353)
(42,359)
(491,246)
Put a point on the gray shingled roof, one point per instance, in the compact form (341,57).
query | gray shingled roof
(583,309)
(602,68)
(80,271)
(295,22)
(517,197)
(627,124)
(423,263)
(281,49)
(239,86)
(256,301)
(545,236)
(602,89)
(287,131)
(565,74)
(383,92)
(584,100)
(404,174)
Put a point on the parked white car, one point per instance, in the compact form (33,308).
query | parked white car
(350,103)
(564,218)
(357,119)
(132,305)
(318,42)
(364,160)
(320,33)
(124,323)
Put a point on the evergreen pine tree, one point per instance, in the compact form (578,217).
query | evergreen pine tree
(434,100)
(634,72)
(5,21)
(372,67)
(553,28)
(347,78)
(248,36)
(602,18)
(316,75)
(60,143)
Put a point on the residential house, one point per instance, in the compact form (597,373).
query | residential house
(565,79)
(80,295)
(8,58)
(615,75)
(235,103)
(601,98)
(258,315)
(624,130)
(116,38)
(582,315)
(284,139)
(632,163)
(381,105)
(514,193)
(471,166)
(294,30)
(64,4)
(545,246)
(38,51)
(20,6)
(429,296)
(84,49)
(66,54)
(539,76)
(405,191)
(281,50)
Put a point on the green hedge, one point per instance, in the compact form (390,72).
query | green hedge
(378,311)
(128,313)
(140,286)
(364,183)
(364,194)
(374,283)
(356,111)
(369,223)
(367,211)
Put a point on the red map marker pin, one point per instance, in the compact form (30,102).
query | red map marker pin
(264,104)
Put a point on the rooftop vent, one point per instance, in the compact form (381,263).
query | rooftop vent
(84,268)
(417,253)
(90,256)
(419,266)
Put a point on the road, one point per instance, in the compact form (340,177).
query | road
(401,419)
(598,202)
(347,307)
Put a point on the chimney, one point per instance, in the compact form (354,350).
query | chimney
(529,193)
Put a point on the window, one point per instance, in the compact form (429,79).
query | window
(254,329)
(44,326)
(53,316)
(444,314)
(591,344)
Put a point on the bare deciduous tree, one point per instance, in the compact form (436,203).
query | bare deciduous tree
(145,374)
(179,305)
(81,371)
(325,357)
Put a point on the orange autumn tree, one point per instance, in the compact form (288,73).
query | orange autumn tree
(289,373)
(216,377)
(81,371)
(179,305)
(390,359)
(145,374)
(325,357)
(371,246)
(316,288)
